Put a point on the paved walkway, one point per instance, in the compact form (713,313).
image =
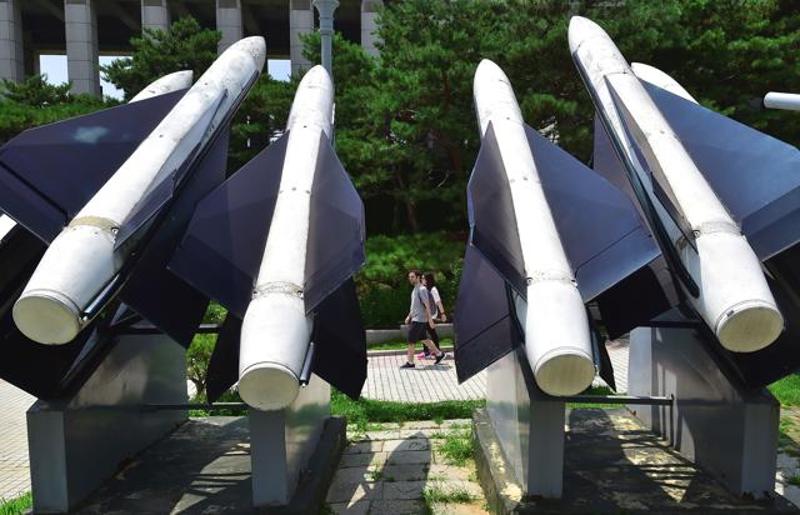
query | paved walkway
(433,383)
(407,469)
(425,383)
(14,476)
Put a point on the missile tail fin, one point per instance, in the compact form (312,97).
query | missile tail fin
(606,163)
(223,368)
(335,248)
(340,356)
(48,173)
(645,156)
(601,232)
(222,249)
(485,325)
(491,215)
(756,176)
(175,169)
(151,289)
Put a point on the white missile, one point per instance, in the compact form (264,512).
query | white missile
(166,84)
(778,100)
(269,374)
(82,259)
(733,297)
(557,339)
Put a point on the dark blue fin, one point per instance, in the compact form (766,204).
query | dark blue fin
(162,192)
(222,249)
(151,289)
(756,176)
(646,158)
(47,174)
(485,325)
(601,232)
(491,215)
(340,356)
(335,249)
(223,367)
(606,163)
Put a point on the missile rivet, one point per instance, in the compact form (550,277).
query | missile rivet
(294,188)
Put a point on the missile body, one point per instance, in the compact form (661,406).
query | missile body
(163,85)
(82,259)
(269,372)
(730,294)
(557,340)
(777,100)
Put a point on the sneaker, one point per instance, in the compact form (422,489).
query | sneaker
(421,355)
(407,365)
(440,357)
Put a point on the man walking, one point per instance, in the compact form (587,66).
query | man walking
(419,316)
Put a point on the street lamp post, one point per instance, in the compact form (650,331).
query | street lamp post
(325,9)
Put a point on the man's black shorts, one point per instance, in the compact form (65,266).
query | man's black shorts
(417,332)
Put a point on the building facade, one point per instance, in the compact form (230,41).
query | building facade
(85,29)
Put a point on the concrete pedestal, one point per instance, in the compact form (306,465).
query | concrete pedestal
(282,443)
(76,444)
(730,431)
(529,427)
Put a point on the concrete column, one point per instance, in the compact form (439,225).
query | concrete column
(369,24)
(11,52)
(155,14)
(301,21)
(229,22)
(80,20)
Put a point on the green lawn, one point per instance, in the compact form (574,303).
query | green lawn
(787,390)
(365,411)
(16,506)
(444,342)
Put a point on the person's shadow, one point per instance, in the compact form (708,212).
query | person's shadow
(396,486)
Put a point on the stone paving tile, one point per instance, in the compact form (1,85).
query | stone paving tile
(426,383)
(14,467)
(416,444)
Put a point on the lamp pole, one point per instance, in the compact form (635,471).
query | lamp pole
(325,9)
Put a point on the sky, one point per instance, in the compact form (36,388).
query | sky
(55,67)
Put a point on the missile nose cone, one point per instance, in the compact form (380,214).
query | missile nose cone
(46,316)
(581,29)
(749,326)
(256,46)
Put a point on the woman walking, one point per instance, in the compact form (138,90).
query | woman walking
(437,308)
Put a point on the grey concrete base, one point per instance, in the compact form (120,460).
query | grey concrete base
(313,484)
(730,431)
(529,426)
(205,467)
(282,443)
(76,444)
(612,465)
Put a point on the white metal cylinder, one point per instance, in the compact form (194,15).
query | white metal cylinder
(777,100)
(734,299)
(166,84)
(81,260)
(557,340)
(275,331)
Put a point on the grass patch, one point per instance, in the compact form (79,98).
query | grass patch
(457,448)
(16,506)
(787,390)
(435,495)
(365,411)
(444,342)
(794,480)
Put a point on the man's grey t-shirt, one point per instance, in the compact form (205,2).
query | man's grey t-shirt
(417,307)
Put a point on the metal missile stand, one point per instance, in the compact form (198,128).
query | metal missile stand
(676,389)
(138,395)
